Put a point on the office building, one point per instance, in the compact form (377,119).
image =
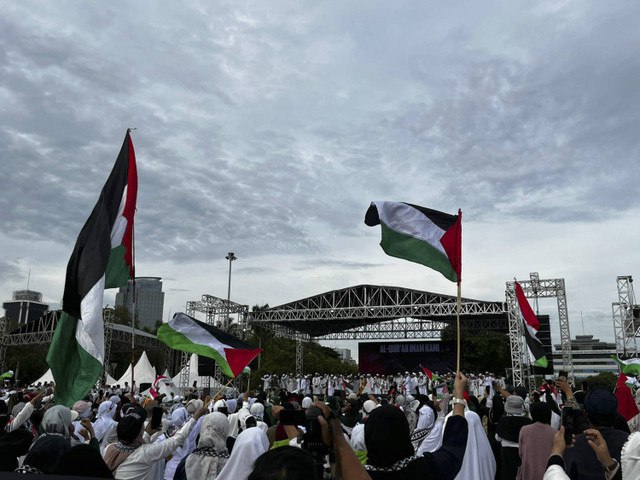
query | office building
(149,301)
(26,306)
(590,356)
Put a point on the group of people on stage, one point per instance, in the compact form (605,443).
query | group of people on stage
(402,426)
(375,384)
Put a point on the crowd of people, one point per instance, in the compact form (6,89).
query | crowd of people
(404,426)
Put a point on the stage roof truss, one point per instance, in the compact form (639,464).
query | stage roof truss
(372,312)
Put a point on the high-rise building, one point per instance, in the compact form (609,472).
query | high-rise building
(149,301)
(591,356)
(25,307)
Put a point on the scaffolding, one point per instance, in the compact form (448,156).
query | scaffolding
(536,288)
(368,312)
(625,319)
(40,332)
(220,313)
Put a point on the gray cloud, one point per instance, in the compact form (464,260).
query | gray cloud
(272,127)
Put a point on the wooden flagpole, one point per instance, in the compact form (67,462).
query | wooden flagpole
(459,303)
(223,387)
(458,309)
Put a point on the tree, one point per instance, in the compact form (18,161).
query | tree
(604,380)
(121,316)
(486,351)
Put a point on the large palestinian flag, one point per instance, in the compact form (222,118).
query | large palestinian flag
(187,334)
(102,258)
(531,327)
(420,235)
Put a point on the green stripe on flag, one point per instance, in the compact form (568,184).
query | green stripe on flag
(178,341)
(541,362)
(117,273)
(416,250)
(74,369)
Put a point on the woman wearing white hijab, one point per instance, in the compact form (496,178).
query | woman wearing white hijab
(249,445)
(105,426)
(479,462)
(211,455)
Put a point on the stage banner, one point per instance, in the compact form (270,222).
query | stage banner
(388,358)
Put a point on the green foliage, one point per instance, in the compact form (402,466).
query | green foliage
(121,316)
(604,380)
(486,351)
(28,362)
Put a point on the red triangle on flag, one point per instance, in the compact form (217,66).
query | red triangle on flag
(239,358)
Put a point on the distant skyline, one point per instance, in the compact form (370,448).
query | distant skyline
(266,129)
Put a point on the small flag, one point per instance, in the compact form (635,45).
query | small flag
(627,406)
(531,328)
(102,258)
(7,374)
(187,334)
(420,235)
(153,391)
(630,366)
(427,372)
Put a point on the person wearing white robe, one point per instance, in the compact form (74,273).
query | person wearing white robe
(249,445)
(479,462)
(105,426)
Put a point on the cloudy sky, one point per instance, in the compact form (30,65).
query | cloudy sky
(266,128)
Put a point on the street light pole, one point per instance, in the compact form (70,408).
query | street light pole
(231,257)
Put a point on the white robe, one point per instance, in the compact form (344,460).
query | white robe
(478,462)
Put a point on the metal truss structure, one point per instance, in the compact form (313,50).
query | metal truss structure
(367,312)
(625,319)
(219,312)
(40,332)
(536,288)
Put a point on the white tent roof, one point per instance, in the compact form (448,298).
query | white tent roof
(110,380)
(143,372)
(47,377)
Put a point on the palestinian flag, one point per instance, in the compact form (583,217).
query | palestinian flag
(531,326)
(627,406)
(187,334)
(427,372)
(420,235)
(102,258)
(153,391)
(630,366)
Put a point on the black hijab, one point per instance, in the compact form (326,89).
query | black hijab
(83,461)
(46,452)
(386,436)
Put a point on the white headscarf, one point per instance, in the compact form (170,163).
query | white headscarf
(249,445)
(179,417)
(478,462)
(257,410)
(105,422)
(630,458)
(306,402)
(426,417)
(211,456)
(57,419)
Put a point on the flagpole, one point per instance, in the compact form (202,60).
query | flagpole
(223,387)
(133,315)
(458,309)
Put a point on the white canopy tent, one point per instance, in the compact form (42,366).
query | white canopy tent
(143,372)
(46,378)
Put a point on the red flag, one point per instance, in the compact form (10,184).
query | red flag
(627,406)
(152,391)
(427,372)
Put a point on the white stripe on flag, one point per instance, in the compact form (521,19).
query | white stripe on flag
(407,220)
(198,335)
(120,225)
(90,328)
